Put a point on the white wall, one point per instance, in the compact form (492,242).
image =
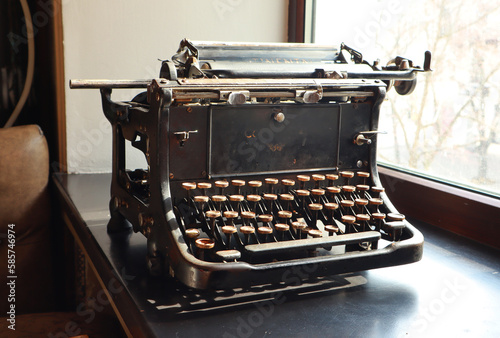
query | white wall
(118,39)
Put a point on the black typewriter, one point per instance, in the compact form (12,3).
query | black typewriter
(261,160)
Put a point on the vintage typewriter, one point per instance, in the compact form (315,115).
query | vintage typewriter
(261,160)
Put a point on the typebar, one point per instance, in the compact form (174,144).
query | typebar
(311,243)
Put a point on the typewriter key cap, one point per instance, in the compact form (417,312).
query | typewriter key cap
(377,191)
(247,230)
(331,178)
(288,183)
(317,193)
(346,175)
(349,220)
(204,186)
(303,179)
(282,228)
(201,201)
(270,198)
(315,208)
(333,193)
(265,218)
(255,199)
(221,185)
(395,217)
(192,233)
(228,255)
(229,230)
(363,175)
(299,226)
(315,233)
(374,203)
(362,220)
(265,232)
(287,198)
(247,217)
(203,244)
(188,186)
(331,207)
(332,229)
(348,190)
(219,200)
(212,216)
(318,178)
(271,182)
(346,206)
(284,215)
(238,184)
(255,185)
(236,201)
(361,203)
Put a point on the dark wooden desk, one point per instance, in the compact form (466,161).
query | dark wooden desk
(453,291)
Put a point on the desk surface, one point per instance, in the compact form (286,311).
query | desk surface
(454,291)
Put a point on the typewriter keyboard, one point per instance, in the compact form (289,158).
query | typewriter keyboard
(277,219)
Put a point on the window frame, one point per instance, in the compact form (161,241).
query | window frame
(462,211)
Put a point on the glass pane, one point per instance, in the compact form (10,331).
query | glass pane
(449,127)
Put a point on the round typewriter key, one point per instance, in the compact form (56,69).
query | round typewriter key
(317,179)
(303,179)
(346,205)
(288,184)
(317,193)
(315,208)
(363,175)
(282,228)
(265,218)
(395,217)
(271,182)
(255,185)
(346,175)
(229,230)
(192,233)
(230,214)
(270,198)
(331,178)
(247,230)
(219,199)
(331,207)
(188,186)
(236,198)
(203,244)
(265,231)
(284,215)
(331,229)
(212,215)
(302,192)
(286,197)
(332,192)
(361,203)
(362,219)
(378,219)
(221,185)
(203,186)
(253,198)
(374,203)
(315,233)
(238,184)
(349,221)
(348,190)
(201,201)
(247,216)
(362,187)
(299,226)
(378,191)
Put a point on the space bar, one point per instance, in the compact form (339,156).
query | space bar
(311,243)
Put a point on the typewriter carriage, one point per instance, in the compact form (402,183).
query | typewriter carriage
(200,122)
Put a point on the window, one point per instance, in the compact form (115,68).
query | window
(449,128)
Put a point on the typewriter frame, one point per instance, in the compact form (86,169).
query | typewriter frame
(147,202)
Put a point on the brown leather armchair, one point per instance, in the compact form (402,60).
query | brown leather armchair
(25,203)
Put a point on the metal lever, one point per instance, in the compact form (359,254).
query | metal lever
(361,139)
(183,136)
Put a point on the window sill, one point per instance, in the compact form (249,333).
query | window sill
(463,212)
